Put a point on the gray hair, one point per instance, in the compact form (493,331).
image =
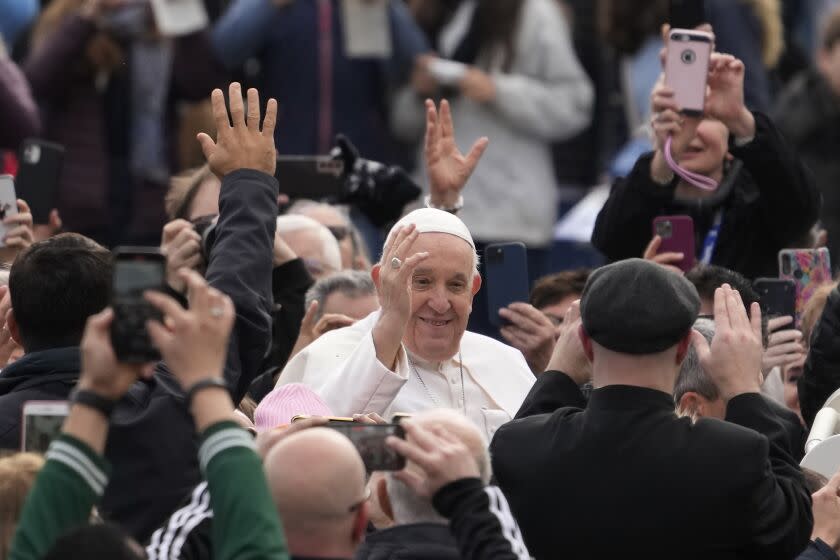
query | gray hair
(692,377)
(330,252)
(351,283)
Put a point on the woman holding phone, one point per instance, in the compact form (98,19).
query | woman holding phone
(764,199)
(509,70)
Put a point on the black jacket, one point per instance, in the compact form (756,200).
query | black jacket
(417,541)
(769,202)
(821,376)
(152,444)
(808,114)
(818,550)
(40,376)
(626,477)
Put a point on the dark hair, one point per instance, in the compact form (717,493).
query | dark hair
(814,481)
(55,286)
(494,24)
(95,541)
(554,288)
(626,24)
(708,277)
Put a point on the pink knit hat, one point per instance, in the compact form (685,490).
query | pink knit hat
(284,403)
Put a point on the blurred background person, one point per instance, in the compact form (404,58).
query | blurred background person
(523,88)
(108,85)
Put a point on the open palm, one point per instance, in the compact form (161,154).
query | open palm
(725,101)
(448,169)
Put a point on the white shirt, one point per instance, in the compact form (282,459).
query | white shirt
(342,368)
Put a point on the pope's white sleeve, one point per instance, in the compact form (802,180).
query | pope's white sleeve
(363,384)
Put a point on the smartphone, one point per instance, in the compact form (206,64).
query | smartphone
(8,203)
(447,72)
(777,296)
(313,177)
(399,417)
(175,18)
(367,29)
(808,269)
(687,68)
(38,177)
(369,440)
(136,270)
(686,14)
(331,419)
(677,233)
(506,275)
(42,421)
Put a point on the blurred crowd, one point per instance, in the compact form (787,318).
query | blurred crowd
(336,363)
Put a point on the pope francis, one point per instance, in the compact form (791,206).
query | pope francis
(414,353)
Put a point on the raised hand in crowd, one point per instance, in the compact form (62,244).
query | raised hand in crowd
(311,329)
(725,100)
(530,332)
(448,169)
(53,227)
(569,356)
(733,361)
(182,246)
(19,234)
(667,260)
(392,286)
(784,347)
(242,145)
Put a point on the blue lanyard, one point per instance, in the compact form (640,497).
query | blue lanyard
(711,239)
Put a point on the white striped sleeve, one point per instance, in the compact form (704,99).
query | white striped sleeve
(167,542)
(76,460)
(510,529)
(222,440)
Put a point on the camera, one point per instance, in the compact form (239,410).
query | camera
(688,56)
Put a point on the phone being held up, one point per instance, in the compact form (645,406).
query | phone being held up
(506,274)
(687,68)
(136,270)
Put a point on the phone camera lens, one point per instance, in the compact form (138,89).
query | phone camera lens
(688,56)
(797,274)
(664,230)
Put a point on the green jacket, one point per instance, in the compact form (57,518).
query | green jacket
(74,477)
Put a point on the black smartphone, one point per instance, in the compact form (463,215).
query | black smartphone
(314,177)
(369,440)
(38,176)
(506,277)
(136,270)
(687,14)
(777,296)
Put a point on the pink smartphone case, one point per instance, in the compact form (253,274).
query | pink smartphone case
(687,68)
(810,269)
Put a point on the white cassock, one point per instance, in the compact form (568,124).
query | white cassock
(342,368)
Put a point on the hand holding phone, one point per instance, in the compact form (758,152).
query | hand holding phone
(369,440)
(676,236)
(8,205)
(777,297)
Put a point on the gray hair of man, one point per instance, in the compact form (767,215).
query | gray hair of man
(408,507)
(692,376)
(330,253)
(351,283)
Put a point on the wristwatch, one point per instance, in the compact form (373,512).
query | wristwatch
(459,204)
(92,400)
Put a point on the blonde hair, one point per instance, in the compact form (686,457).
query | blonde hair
(813,311)
(17,476)
(768,13)
(182,191)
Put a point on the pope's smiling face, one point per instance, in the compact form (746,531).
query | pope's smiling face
(442,290)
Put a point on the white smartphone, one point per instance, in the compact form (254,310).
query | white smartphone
(367,29)
(447,72)
(175,18)
(42,421)
(8,203)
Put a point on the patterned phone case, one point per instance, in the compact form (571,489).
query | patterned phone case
(809,269)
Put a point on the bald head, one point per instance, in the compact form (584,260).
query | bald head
(316,477)
(406,506)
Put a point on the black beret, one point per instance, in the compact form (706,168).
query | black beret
(638,307)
